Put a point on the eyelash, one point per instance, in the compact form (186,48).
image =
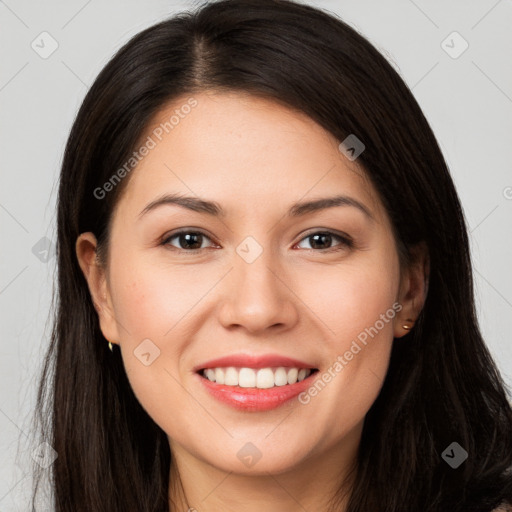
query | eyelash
(346,241)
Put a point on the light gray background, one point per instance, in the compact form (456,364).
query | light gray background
(467,100)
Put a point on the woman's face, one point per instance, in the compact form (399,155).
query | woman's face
(263,275)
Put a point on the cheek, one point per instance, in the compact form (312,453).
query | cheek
(350,298)
(147,309)
(153,301)
(152,313)
(357,307)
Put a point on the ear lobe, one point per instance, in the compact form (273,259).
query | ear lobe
(95,276)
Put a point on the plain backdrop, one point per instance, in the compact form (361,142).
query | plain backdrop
(465,93)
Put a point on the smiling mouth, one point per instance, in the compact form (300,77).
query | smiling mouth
(261,378)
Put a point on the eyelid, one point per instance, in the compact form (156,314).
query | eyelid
(165,239)
(346,239)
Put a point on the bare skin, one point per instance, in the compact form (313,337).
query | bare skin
(255,159)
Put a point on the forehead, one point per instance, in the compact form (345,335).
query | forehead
(245,152)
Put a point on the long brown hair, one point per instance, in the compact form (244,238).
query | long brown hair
(442,384)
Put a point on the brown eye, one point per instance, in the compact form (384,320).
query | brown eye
(323,240)
(187,240)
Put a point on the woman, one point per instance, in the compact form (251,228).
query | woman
(256,218)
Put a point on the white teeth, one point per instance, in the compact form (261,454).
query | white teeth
(263,378)
(247,378)
(219,375)
(231,377)
(280,377)
(292,375)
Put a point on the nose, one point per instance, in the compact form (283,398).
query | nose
(258,296)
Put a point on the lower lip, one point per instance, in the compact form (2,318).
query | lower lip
(255,399)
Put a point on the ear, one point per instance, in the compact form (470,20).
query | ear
(96,278)
(413,289)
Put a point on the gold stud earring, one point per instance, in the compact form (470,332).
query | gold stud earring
(407,327)
(110,347)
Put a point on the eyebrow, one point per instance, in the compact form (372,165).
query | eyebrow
(296,210)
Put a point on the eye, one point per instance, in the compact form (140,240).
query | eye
(187,240)
(192,241)
(322,238)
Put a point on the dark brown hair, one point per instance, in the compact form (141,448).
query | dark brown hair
(442,385)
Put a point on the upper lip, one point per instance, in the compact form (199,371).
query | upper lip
(253,361)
